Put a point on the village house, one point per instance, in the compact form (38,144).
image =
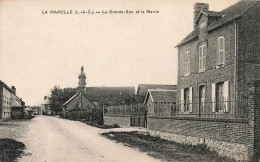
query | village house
(218,83)
(160,102)
(17,105)
(46,106)
(11,106)
(143,88)
(78,106)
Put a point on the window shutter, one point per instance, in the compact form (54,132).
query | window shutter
(213,97)
(217,58)
(189,62)
(182,100)
(223,53)
(226,97)
(190,91)
(204,57)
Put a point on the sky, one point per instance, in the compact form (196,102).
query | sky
(39,51)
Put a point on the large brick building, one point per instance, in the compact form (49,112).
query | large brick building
(218,92)
(218,59)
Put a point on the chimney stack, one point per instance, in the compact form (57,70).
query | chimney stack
(198,7)
(45,97)
(14,90)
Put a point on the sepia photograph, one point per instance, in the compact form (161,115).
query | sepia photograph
(129,80)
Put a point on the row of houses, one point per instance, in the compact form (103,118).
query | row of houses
(216,100)
(11,106)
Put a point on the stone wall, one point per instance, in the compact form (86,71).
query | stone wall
(227,137)
(122,121)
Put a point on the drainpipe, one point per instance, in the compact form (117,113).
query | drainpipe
(235,71)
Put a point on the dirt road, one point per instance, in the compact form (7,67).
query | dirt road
(54,139)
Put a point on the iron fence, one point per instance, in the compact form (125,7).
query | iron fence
(222,109)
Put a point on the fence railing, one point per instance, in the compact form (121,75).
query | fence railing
(222,109)
(125,109)
(117,110)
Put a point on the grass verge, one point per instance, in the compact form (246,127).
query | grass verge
(166,150)
(10,149)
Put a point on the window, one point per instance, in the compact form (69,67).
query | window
(221,51)
(202,91)
(187,63)
(220,97)
(186,100)
(202,57)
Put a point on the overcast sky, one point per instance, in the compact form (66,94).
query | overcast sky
(39,50)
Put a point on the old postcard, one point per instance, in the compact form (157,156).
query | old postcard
(121,80)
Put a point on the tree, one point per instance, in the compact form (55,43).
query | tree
(59,97)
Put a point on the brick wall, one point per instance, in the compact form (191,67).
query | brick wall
(221,135)
(1,98)
(229,131)
(122,121)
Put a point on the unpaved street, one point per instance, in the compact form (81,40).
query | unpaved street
(54,139)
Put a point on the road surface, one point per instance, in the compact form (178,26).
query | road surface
(55,139)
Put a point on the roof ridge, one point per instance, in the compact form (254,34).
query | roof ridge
(162,89)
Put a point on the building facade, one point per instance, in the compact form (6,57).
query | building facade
(11,106)
(218,83)
(217,61)
(160,102)
(46,106)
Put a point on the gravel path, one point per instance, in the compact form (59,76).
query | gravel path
(54,139)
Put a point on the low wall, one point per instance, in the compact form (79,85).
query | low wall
(122,121)
(227,137)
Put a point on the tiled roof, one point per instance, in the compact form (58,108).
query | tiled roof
(109,93)
(227,15)
(191,36)
(143,88)
(81,97)
(233,12)
(70,99)
(213,13)
(47,101)
(15,103)
(158,95)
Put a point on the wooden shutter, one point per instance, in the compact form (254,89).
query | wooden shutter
(213,97)
(188,62)
(204,57)
(226,96)
(190,95)
(200,58)
(218,47)
(223,53)
(182,100)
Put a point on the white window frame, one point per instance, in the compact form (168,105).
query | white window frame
(202,57)
(187,63)
(188,102)
(220,50)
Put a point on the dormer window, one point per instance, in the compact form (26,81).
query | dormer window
(202,57)
(220,51)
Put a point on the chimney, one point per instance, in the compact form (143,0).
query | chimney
(14,90)
(45,97)
(197,8)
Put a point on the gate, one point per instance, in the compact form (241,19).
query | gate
(138,117)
